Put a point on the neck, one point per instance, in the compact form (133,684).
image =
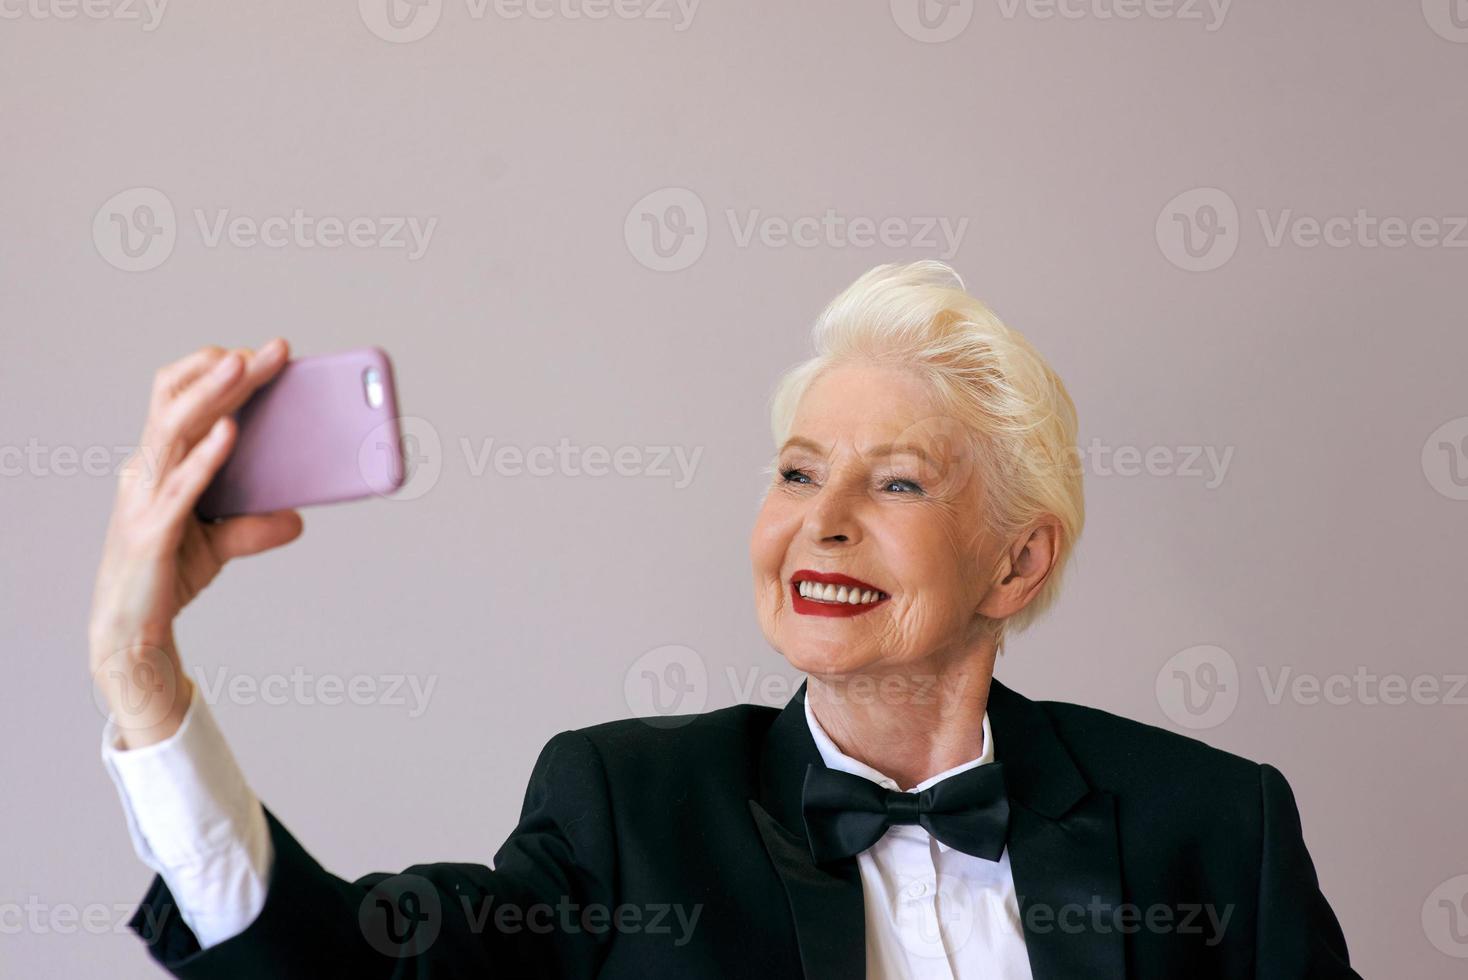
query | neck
(909,724)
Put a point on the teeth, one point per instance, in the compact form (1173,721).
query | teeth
(837,593)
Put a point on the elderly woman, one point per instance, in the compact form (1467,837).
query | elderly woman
(905,815)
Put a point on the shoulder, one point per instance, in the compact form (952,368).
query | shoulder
(723,741)
(1151,766)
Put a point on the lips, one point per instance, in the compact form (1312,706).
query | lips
(838,599)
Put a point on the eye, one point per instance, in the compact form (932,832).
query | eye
(791,475)
(894,480)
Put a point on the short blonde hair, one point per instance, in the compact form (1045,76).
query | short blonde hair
(986,376)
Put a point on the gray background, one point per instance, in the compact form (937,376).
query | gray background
(1332,544)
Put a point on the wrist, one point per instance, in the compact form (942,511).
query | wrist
(144,689)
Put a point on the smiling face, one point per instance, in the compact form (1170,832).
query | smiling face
(873,485)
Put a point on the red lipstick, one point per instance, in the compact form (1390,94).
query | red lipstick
(817,607)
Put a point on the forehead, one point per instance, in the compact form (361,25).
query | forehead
(863,402)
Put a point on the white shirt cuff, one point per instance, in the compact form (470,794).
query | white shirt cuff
(195,821)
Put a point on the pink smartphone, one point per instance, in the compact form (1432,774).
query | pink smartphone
(324,430)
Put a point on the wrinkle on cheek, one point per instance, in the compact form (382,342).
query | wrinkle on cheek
(891,638)
(957,530)
(903,627)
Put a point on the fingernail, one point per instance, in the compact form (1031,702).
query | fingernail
(273,349)
(218,429)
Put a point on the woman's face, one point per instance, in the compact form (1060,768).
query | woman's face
(873,484)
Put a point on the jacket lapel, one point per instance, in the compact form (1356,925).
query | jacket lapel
(825,900)
(1063,848)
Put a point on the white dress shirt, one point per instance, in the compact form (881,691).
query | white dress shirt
(933,912)
(195,821)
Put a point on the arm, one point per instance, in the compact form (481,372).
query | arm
(195,821)
(192,814)
(1298,935)
(521,919)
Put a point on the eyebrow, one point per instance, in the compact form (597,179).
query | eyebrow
(884,449)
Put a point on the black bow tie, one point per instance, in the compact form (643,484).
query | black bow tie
(846,814)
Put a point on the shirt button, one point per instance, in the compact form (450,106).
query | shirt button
(918,889)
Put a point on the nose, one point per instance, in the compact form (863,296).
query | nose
(832,518)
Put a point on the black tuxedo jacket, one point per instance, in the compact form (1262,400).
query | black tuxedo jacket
(674,847)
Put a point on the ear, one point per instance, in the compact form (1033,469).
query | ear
(1022,568)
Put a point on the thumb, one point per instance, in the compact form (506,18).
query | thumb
(251,534)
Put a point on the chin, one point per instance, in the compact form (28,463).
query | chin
(813,655)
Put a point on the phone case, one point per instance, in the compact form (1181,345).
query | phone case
(312,436)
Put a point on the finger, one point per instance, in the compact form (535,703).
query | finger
(261,367)
(174,378)
(181,488)
(221,390)
(236,537)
